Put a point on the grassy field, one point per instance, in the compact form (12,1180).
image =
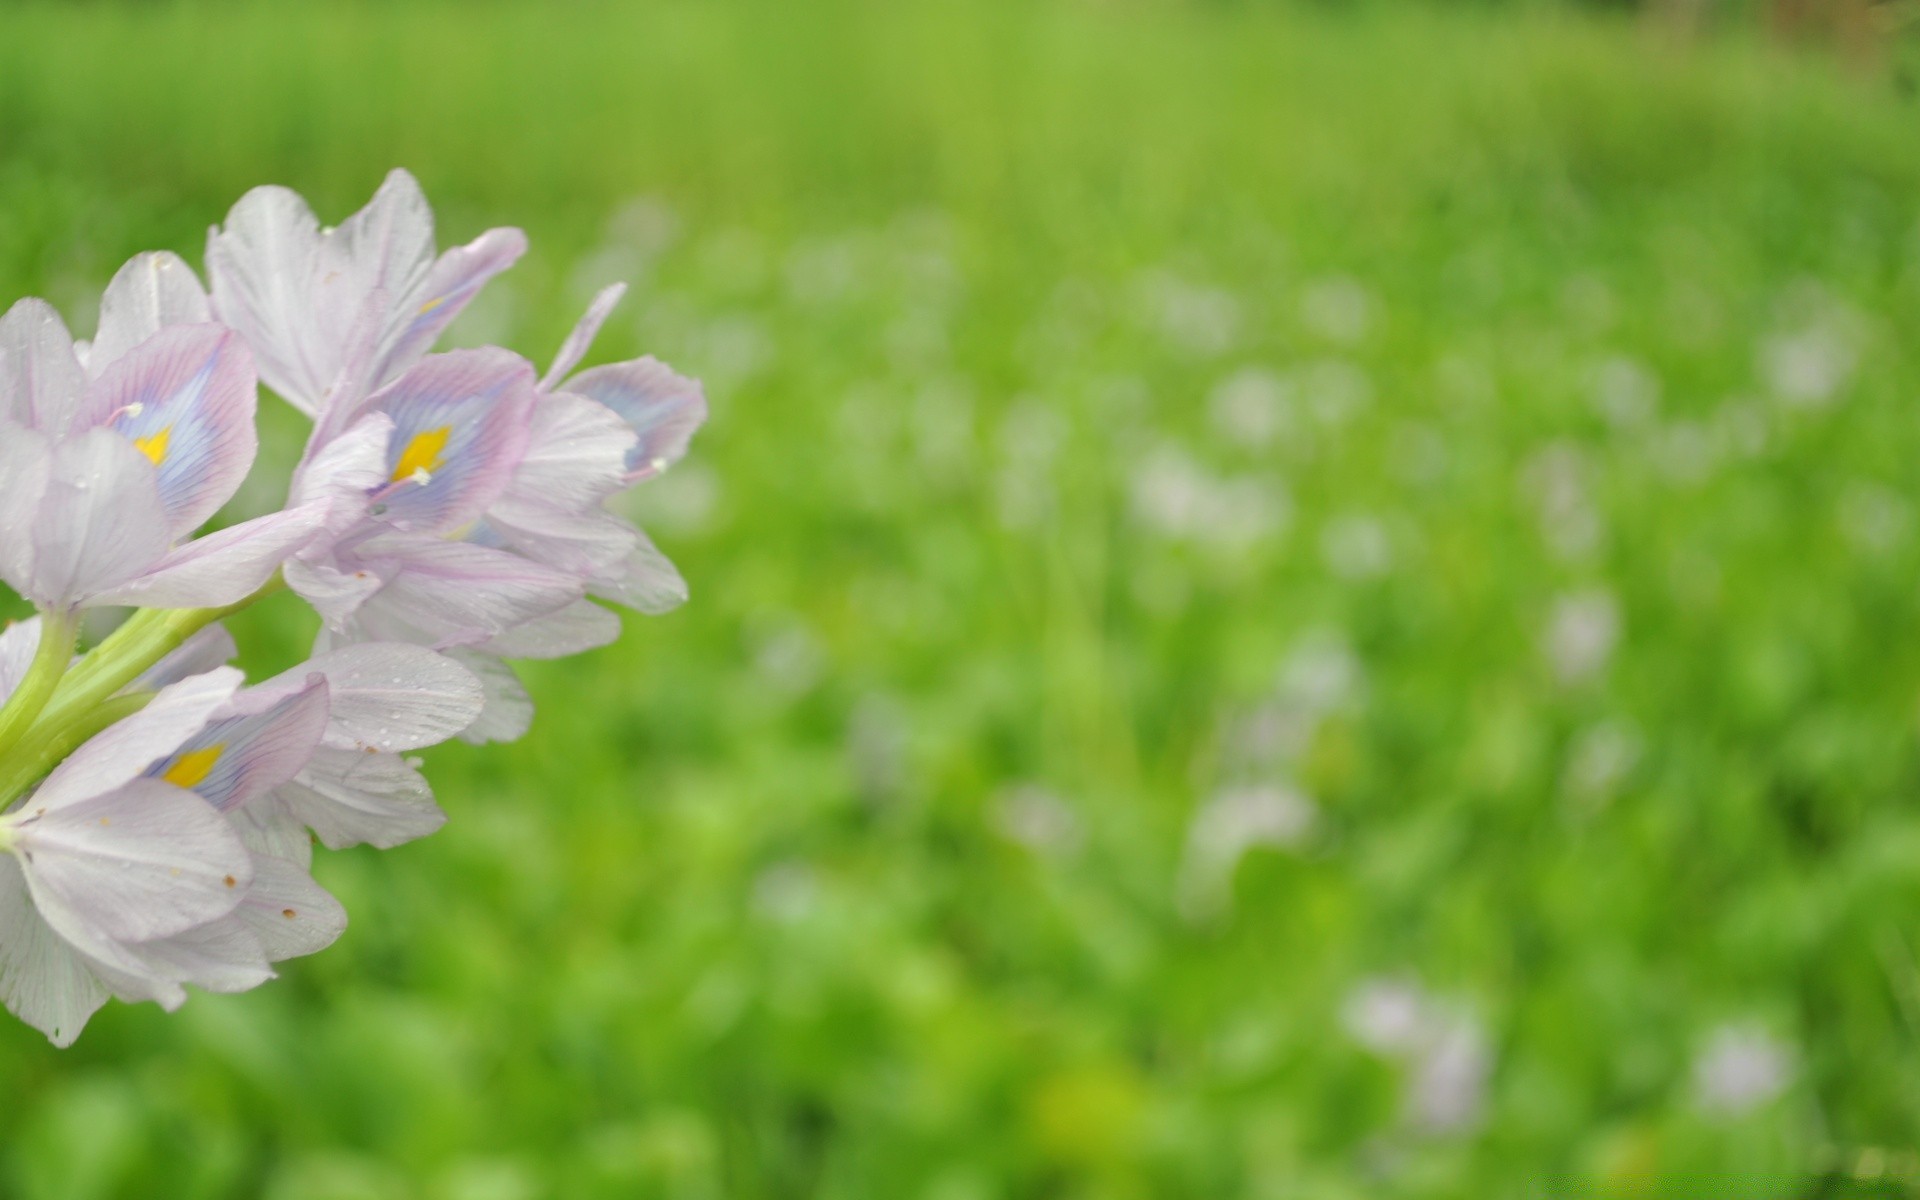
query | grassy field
(1293,606)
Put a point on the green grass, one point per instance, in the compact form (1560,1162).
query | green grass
(982,542)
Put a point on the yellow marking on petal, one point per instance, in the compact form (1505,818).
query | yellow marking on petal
(422,453)
(193,766)
(432,304)
(155,447)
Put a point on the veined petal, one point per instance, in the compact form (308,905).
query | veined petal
(581,339)
(444,593)
(335,593)
(262,265)
(151,292)
(644,581)
(41,384)
(258,743)
(287,911)
(223,567)
(97,523)
(185,398)
(144,861)
(43,980)
(421,315)
(120,752)
(580,626)
(350,798)
(25,471)
(509,710)
(270,830)
(389,696)
(460,426)
(386,247)
(345,471)
(662,406)
(552,510)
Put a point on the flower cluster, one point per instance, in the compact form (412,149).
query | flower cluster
(449,514)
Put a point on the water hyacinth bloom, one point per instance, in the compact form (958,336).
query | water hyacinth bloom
(103,478)
(484,527)
(157,815)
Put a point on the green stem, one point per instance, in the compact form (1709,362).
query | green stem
(58,631)
(147,637)
(46,747)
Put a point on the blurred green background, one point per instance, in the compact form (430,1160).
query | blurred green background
(1287,602)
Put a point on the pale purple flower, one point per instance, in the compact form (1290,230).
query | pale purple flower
(105,869)
(103,479)
(339,313)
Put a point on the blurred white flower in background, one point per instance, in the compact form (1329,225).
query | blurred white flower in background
(1338,308)
(1443,1052)
(1739,1068)
(1177,497)
(1807,368)
(1335,391)
(1037,818)
(1582,631)
(785,892)
(1356,546)
(1599,760)
(1233,821)
(1874,518)
(1253,407)
(1198,319)
(1624,391)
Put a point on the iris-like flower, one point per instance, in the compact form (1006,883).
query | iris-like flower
(103,479)
(485,526)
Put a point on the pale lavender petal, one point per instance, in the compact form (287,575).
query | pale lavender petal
(41,384)
(120,752)
(26,468)
(453,593)
(388,696)
(222,955)
(97,524)
(210,648)
(17,647)
(185,397)
(552,509)
(645,581)
(580,626)
(287,911)
(220,568)
(460,426)
(386,247)
(43,981)
(335,594)
(263,267)
(260,741)
(348,798)
(663,407)
(144,861)
(454,281)
(152,292)
(270,830)
(575,347)
(509,710)
(344,471)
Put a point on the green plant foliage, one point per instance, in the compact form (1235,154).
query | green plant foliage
(1308,606)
